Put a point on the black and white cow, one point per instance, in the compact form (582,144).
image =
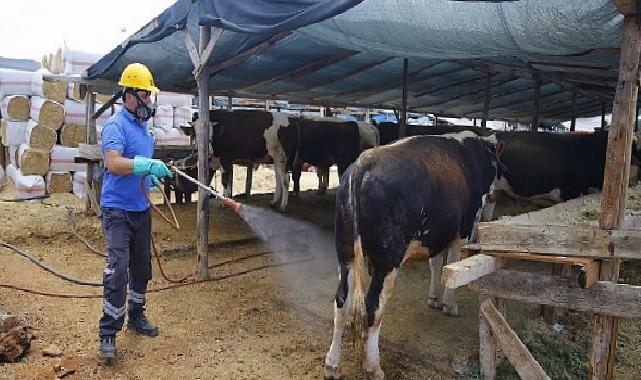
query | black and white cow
(551,166)
(425,189)
(254,134)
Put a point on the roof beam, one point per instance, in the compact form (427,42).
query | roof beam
(511,104)
(571,64)
(468,93)
(305,69)
(238,58)
(393,84)
(449,85)
(358,70)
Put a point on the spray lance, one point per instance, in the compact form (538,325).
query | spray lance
(227,202)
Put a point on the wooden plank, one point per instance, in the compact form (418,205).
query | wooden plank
(191,48)
(248,180)
(559,240)
(90,151)
(586,275)
(202,140)
(603,297)
(516,352)
(304,70)
(402,131)
(206,54)
(615,185)
(238,58)
(488,346)
(470,269)
(93,170)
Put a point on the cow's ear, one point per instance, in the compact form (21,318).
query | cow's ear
(500,146)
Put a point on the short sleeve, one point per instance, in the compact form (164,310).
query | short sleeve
(112,138)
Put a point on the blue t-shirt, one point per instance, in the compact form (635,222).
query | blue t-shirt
(125,134)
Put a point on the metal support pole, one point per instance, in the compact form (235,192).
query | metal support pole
(573,122)
(537,101)
(486,101)
(402,132)
(603,114)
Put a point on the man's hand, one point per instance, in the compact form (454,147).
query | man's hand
(146,166)
(155,184)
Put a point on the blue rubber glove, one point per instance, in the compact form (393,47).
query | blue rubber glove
(146,166)
(154,183)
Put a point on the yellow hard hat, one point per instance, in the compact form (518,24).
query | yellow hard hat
(138,76)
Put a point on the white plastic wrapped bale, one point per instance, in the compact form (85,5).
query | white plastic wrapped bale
(15,108)
(78,184)
(47,112)
(182,116)
(76,112)
(76,61)
(38,136)
(48,89)
(164,117)
(173,136)
(58,182)
(33,161)
(99,133)
(62,159)
(13,132)
(13,155)
(11,172)
(15,82)
(174,99)
(29,186)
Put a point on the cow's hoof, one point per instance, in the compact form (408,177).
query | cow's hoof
(435,303)
(374,372)
(332,373)
(451,311)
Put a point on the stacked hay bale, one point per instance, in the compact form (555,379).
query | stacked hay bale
(173,111)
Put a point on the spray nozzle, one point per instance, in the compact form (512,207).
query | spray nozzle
(232,205)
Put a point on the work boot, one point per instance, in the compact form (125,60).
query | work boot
(108,348)
(140,324)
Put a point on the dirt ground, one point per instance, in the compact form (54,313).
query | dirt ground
(267,324)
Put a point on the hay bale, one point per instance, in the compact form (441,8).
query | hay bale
(40,137)
(79,179)
(73,134)
(13,155)
(13,132)
(28,186)
(63,159)
(47,112)
(55,91)
(33,161)
(76,61)
(15,82)
(15,108)
(59,182)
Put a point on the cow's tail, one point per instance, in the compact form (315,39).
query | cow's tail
(358,285)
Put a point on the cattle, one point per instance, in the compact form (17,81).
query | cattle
(289,140)
(419,191)
(551,166)
(389,131)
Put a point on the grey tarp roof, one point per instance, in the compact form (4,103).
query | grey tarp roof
(356,57)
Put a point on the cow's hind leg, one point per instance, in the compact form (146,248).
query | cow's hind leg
(434,296)
(450,306)
(379,293)
(341,315)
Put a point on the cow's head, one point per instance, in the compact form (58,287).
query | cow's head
(495,149)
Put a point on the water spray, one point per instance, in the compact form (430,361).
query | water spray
(227,202)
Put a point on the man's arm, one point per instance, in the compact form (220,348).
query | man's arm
(117,164)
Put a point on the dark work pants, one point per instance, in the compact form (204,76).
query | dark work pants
(128,237)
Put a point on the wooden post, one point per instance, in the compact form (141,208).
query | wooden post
(615,186)
(603,114)
(94,174)
(636,116)
(486,101)
(488,347)
(474,122)
(435,119)
(573,122)
(229,102)
(202,141)
(537,101)
(402,132)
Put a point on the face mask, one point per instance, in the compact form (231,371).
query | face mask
(143,112)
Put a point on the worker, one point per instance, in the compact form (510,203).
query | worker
(127,148)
